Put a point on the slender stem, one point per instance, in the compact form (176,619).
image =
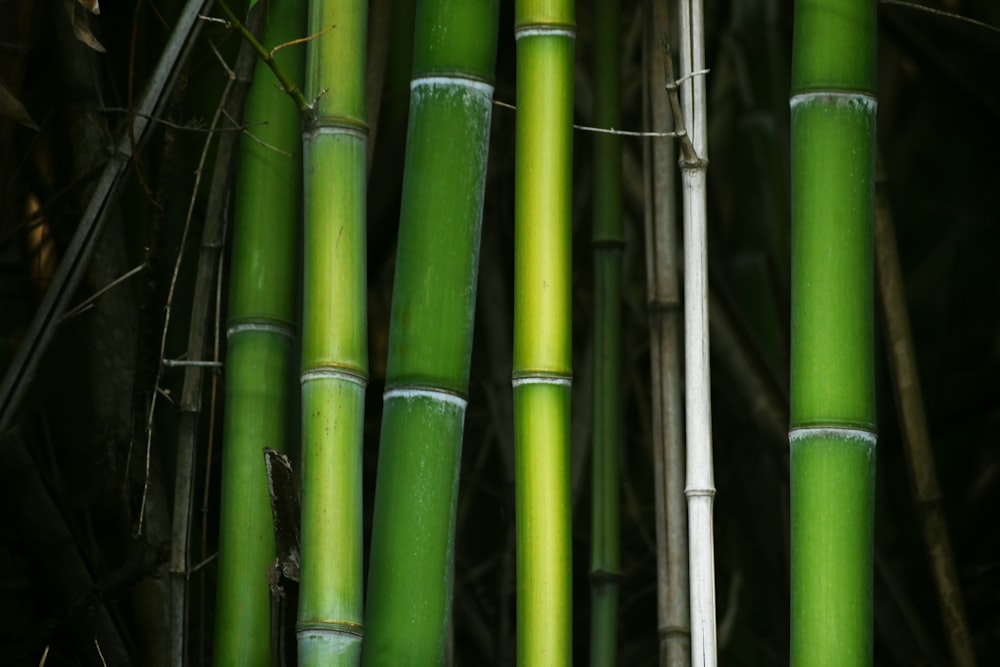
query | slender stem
(260,334)
(700,485)
(545,33)
(334,338)
(608,243)
(663,288)
(916,436)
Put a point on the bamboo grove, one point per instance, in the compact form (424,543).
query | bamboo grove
(531,332)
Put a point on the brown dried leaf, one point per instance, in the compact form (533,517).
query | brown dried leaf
(80,28)
(12,107)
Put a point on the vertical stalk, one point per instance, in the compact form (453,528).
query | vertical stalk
(700,486)
(663,292)
(832,436)
(267,205)
(545,31)
(916,435)
(334,340)
(430,338)
(608,243)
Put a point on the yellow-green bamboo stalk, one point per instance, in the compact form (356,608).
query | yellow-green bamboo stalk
(832,434)
(545,31)
(430,337)
(267,205)
(334,340)
(608,242)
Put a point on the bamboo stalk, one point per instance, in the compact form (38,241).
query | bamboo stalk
(663,294)
(608,241)
(916,434)
(430,338)
(832,435)
(54,304)
(267,202)
(700,484)
(334,340)
(545,33)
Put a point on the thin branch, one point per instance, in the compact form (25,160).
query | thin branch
(941,12)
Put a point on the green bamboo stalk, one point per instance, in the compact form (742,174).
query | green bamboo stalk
(334,340)
(608,243)
(545,33)
(430,337)
(664,295)
(266,204)
(832,436)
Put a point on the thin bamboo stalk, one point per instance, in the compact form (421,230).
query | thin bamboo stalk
(545,33)
(832,435)
(608,241)
(54,304)
(334,340)
(430,338)
(700,484)
(916,435)
(267,202)
(663,292)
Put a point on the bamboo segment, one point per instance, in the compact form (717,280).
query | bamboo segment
(430,338)
(259,362)
(334,340)
(700,483)
(545,33)
(608,243)
(832,436)
(663,289)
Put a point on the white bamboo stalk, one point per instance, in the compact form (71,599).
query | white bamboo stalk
(700,488)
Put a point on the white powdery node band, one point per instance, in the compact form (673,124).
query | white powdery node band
(840,432)
(455,81)
(355,131)
(332,374)
(542,379)
(439,395)
(264,327)
(865,101)
(545,31)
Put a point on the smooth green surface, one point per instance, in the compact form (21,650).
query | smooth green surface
(335,66)
(434,299)
(456,36)
(543,204)
(430,336)
(832,359)
(832,337)
(608,241)
(258,401)
(330,594)
(544,524)
(413,535)
(833,46)
(542,329)
(334,284)
(334,336)
(832,501)
(266,204)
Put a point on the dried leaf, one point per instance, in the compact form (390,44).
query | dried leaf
(80,28)
(12,107)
